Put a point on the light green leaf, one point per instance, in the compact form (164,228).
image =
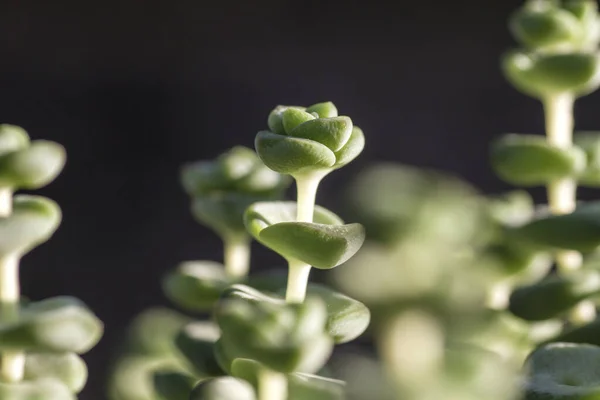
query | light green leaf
(196,342)
(531,160)
(33,220)
(154,330)
(353,147)
(546,27)
(224,388)
(195,285)
(12,138)
(323,110)
(43,389)
(68,368)
(325,243)
(275,120)
(292,155)
(59,324)
(32,167)
(332,132)
(554,295)
(292,117)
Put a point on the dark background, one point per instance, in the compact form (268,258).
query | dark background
(133,89)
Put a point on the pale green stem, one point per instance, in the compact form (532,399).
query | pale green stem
(299,271)
(272,385)
(13,362)
(297,283)
(236,257)
(562,193)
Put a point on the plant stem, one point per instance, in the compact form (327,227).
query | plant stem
(298,273)
(236,257)
(272,385)
(562,193)
(13,362)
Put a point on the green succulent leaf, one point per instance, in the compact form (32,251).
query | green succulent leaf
(314,387)
(153,332)
(32,167)
(59,324)
(43,389)
(590,143)
(579,230)
(173,385)
(223,212)
(546,27)
(346,318)
(323,110)
(323,244)
(564,371)
(67,368)
(275,120)
(196,342)
(283,337)
(546,75)
(196,285)
(554,295)
(331,132)
(353,147)
(530,160)
(12,138)
(588,333)
(223,388)
(292,117)
(292,155)
(32,221)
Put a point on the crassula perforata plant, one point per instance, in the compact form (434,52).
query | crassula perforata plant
(39,340)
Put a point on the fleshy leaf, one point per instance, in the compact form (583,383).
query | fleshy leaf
(588,333)
(531,160)
(325,243)
(563,371)
(323,110)
(32,167)
(590,143)
(12,138)
(59,324)
(554,295)
(33,220)
(153,332)
(579,230)
(548,27)
(195,285)
(196,342)
(353,147)
(292,117)
(43,389)
(314,387)
(275,120)
(223,388)
(67,368)
(543,75)
(173,385)
(292,155)
(346,318)
(331,132)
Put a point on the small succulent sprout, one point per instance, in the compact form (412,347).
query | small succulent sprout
(25,164)
(554,295)
(325,243)
(59,324)
(589,142)
(302,140)
(67,368)
(46,389)
(529,160)
(223,388)
(565,371)
(222,189)
(196,285)
(196,342)
(546,75)
(579,230)
(173,385)
(283,337)
(32,221)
